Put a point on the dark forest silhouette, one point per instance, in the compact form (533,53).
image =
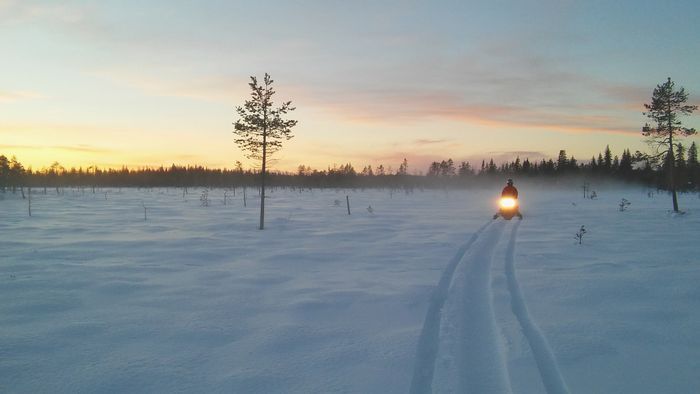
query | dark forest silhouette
(638,167)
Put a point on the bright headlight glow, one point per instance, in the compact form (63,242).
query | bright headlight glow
(507,202)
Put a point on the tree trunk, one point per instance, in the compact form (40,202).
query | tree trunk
(262,181)
(671,166)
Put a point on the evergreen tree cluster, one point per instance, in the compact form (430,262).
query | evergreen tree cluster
(12,174)
(636,167)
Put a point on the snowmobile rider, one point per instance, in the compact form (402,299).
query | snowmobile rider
(510,190)
(508,211)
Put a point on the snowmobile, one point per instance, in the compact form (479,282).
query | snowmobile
(508,208)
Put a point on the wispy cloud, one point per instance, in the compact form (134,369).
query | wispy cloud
(405,106)
(27,10)
(82,149)
(424,142)
(169,83)
(13,147)
(502,82)
(6,96)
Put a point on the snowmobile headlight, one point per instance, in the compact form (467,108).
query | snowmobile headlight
(507,202)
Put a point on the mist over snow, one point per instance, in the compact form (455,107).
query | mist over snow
(421,293)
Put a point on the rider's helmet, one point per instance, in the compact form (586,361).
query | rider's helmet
(510,182)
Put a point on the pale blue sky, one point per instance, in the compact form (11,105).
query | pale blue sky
(150,83)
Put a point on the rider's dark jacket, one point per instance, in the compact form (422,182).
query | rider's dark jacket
(510,191)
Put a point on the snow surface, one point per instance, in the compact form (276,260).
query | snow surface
(425,293)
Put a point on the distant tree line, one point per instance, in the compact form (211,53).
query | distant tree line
(637,167)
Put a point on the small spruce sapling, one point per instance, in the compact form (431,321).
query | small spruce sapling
(624,204)
(579,234)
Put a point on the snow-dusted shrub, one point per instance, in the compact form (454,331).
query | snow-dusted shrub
(624,204)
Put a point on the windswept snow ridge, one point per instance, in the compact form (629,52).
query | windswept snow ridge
(470,353)
(428,341)
(546,362)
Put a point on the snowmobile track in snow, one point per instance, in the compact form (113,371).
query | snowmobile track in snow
(428,341)
(471,354)
(460,348)
(546,362)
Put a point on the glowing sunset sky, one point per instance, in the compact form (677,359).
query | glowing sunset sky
(153,83)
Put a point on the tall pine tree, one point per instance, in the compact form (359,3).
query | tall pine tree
(261,129)
(666,107)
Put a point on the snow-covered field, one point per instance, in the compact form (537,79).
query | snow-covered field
(423,294)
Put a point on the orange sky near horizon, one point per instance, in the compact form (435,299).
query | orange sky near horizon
(39,146)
